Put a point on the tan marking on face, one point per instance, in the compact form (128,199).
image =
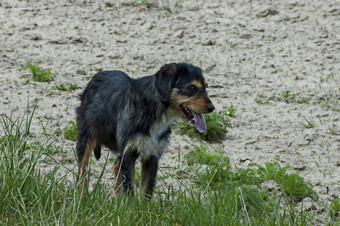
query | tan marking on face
(196,83)
(176,100)
(197,104)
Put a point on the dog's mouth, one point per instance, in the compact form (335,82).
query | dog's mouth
(195,118)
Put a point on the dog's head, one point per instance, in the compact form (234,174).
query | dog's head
(184,88)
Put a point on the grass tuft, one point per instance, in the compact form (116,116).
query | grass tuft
(66,87)
(39,75)
(71,131)
(219,173)
(334,210)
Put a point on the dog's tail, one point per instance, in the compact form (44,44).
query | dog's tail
(81,146)
(84,133)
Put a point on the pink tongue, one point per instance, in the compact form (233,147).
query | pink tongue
(200,124)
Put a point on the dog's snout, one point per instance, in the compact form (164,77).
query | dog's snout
(211,108)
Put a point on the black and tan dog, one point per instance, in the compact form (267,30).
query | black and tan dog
(133,118)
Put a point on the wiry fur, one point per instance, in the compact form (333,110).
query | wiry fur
(133,118)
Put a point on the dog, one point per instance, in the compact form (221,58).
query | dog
(133,118)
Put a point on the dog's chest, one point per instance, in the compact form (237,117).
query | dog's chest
(155,143)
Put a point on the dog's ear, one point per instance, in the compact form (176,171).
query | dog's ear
(165,79)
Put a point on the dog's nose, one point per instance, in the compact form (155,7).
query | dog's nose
(211,108)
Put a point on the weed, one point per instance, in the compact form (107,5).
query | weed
(292,184)
(219,173)
(287,96)
(230,111)
(261,99)
(233,45)
(39,75)
(200,155)
(145,3)
(333,130)
(308,124)
(66,87)
(71,131)
(334,209)
(303,100)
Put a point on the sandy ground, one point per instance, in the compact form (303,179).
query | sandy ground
(251,53)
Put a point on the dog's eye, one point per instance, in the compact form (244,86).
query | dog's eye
(192,87)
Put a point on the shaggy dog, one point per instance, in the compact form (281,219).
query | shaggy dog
(133,118)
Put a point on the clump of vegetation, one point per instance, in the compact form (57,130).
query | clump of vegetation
(308,124)
(334,209)
(333,130)
(71,131)
(200,155)
(50,198)
(66,87)
(39,75)
(291,183)
(287,96)
(219,173)
(217,124)
(142,3)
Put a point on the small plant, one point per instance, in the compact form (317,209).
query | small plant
(68,87)
(200,155)
(261,99)
(287,96)
(308,124)
(218,173)
(217,124)
(231,111)
(303,100)
(333,130)
(39,75)
(145,3)
(292,184)
(334,209)
(71,131)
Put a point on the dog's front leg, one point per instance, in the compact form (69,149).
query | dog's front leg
(149,174)
(124,170)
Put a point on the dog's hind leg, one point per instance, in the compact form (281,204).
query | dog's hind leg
(149,174)
(124,170)
(85,158)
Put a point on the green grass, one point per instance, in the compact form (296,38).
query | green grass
(217,124)
(334,210)
(71,131)
(227,197)
(219,173)
(333,130)
(66,87)
(38,74)
(307,124)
